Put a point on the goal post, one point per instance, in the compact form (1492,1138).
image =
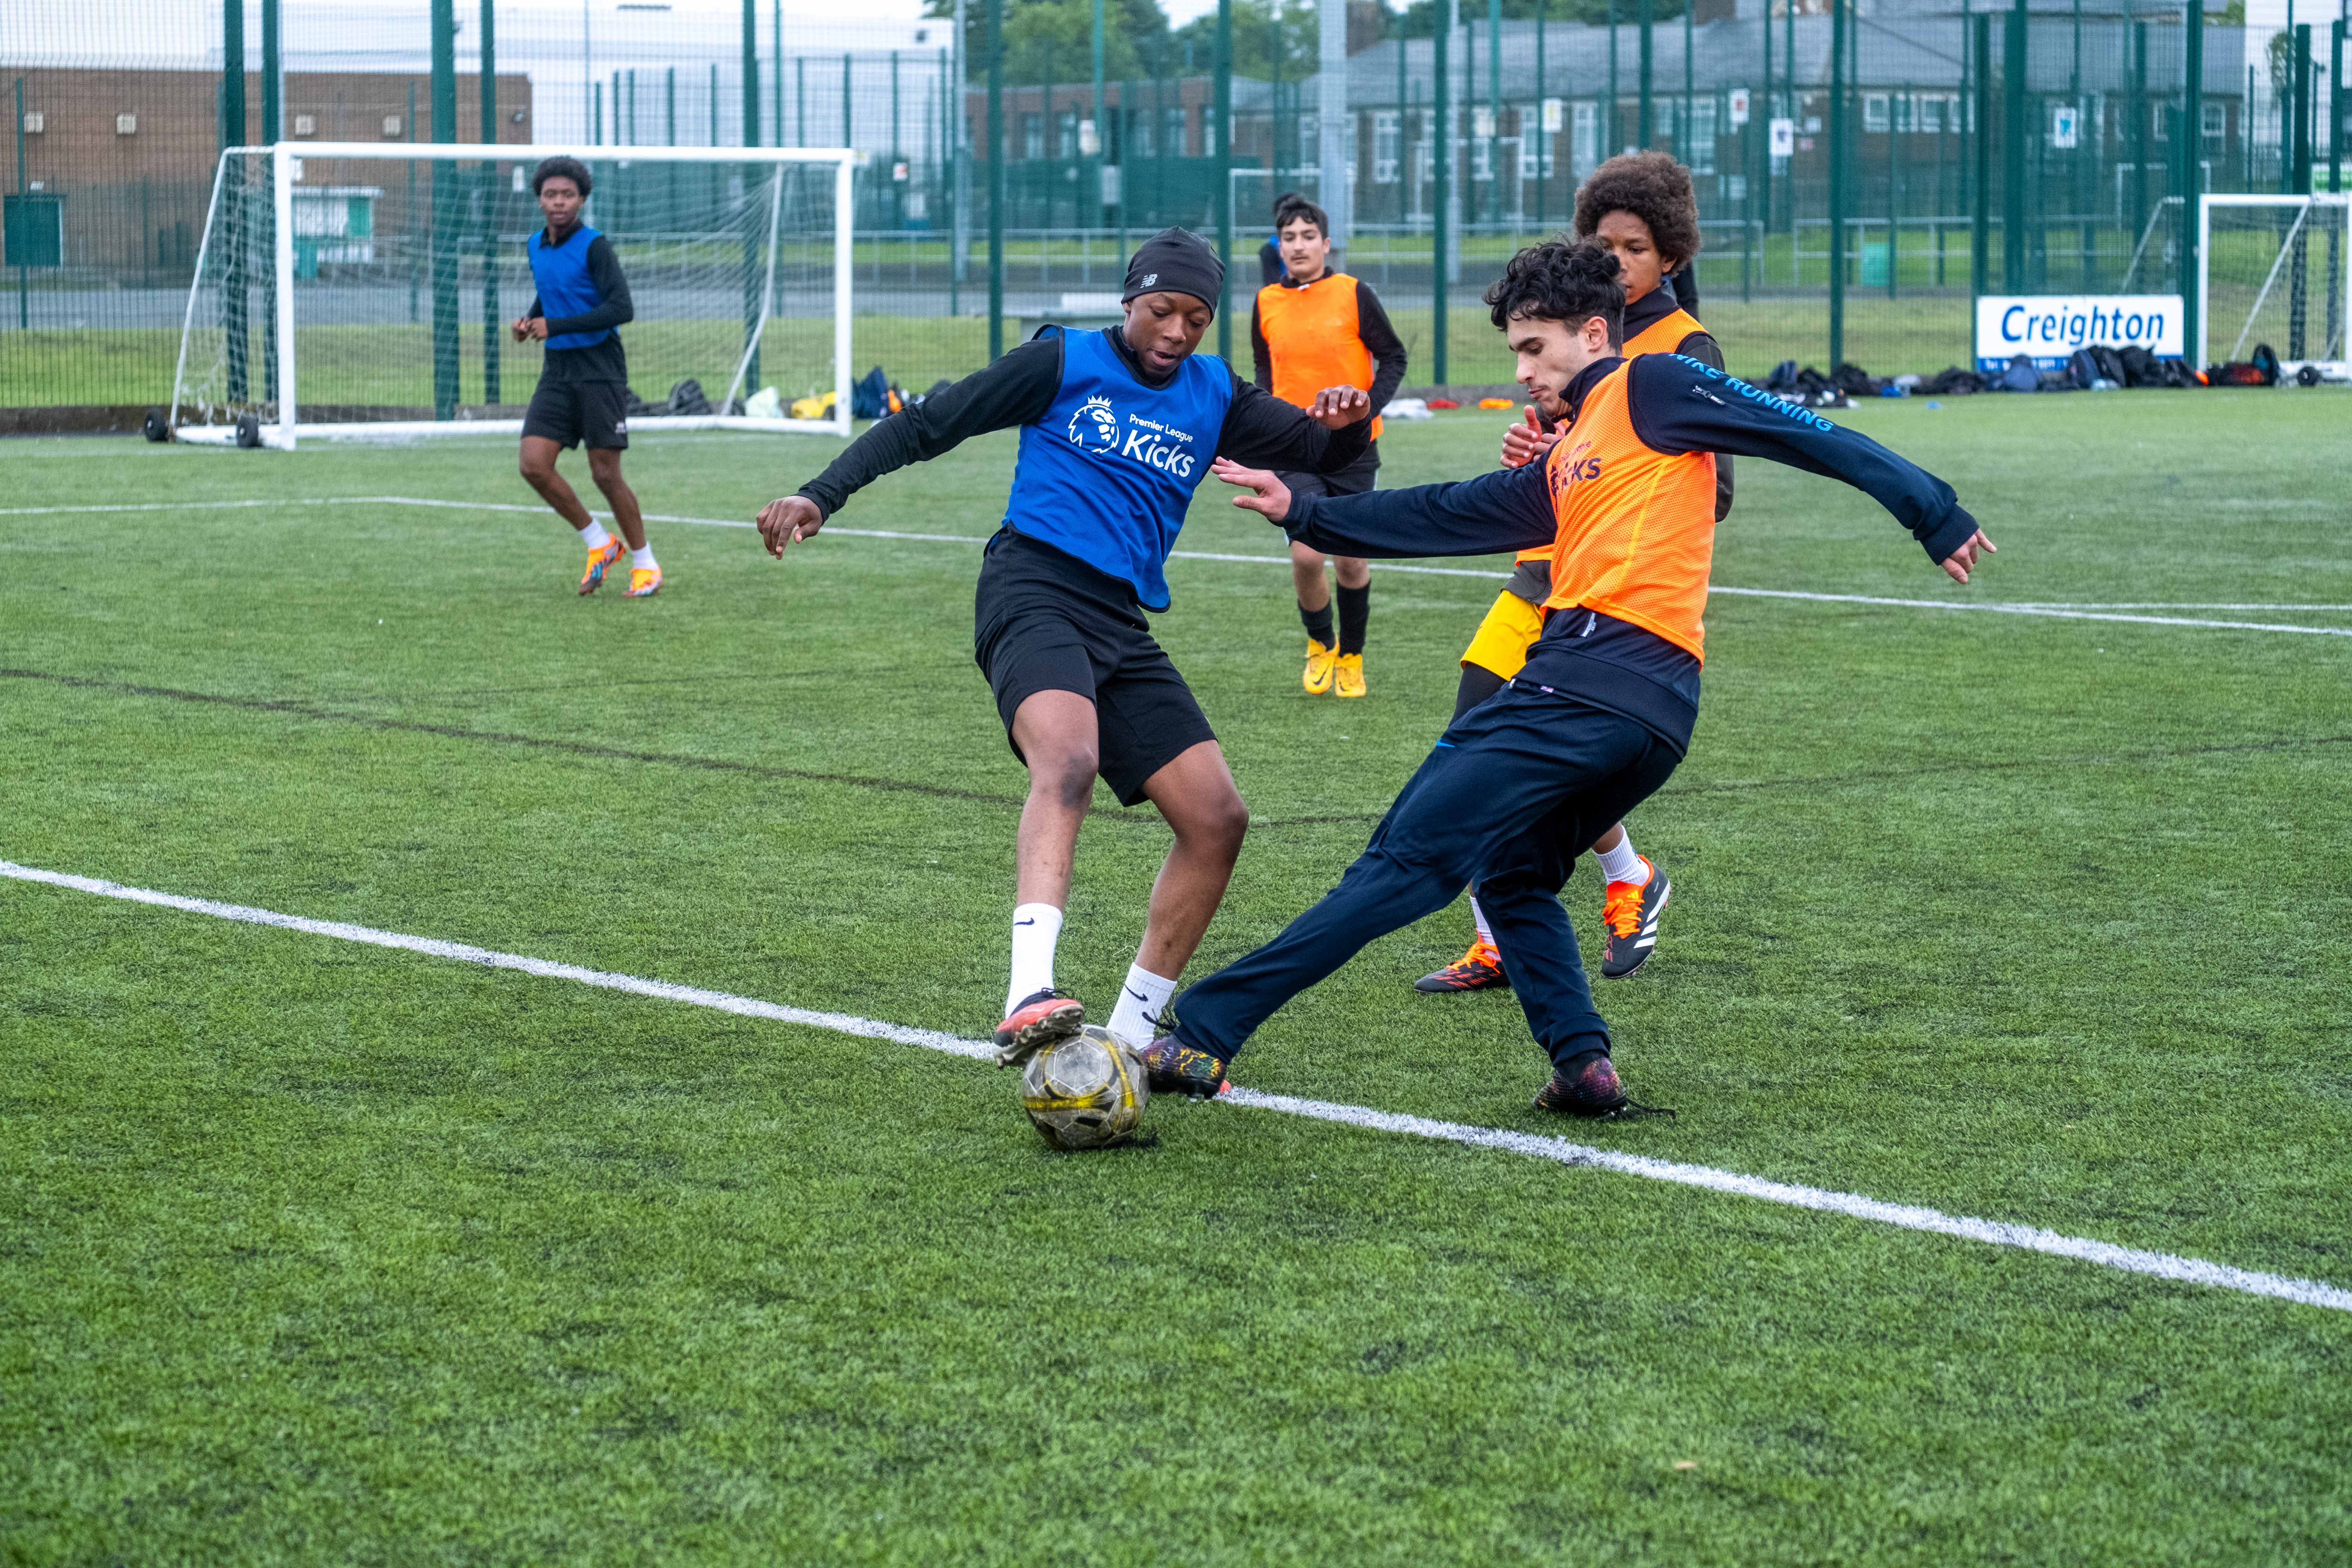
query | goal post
(2275,270)
(361,289)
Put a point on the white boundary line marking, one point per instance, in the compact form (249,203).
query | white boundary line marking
(2049,611)
(1906,1217)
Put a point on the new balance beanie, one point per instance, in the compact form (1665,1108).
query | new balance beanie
(1176,261)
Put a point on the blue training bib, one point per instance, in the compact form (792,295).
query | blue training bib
(1107,474)
(564,287)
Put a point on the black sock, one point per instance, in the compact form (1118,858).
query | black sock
(1478,683)
(1355,609)
(1318,621)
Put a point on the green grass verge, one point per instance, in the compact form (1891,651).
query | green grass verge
(312,1251)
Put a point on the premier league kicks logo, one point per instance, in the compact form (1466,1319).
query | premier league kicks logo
(1093,426)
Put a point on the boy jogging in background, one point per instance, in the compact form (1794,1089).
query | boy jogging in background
(1118,428)
(1601,712)
(1316,328)
(584,387)
(1641,207)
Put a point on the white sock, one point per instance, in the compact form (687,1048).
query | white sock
(1036,929)
(642,560)
(1622,865)
(594,536)
(1140,1002)
(1478,918)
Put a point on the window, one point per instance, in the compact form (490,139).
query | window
(1033,135)
(1385,137)
(2216,117)
(1874,112)
(1310,140)
(1702,136)
(1143,144)
(1065,142)
(1931,114)
(1584,140)
(1482,158)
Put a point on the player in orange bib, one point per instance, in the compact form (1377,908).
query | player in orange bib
(1601,712)
(1315,322)
(1641,207)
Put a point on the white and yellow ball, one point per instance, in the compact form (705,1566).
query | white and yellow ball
(1084,1092)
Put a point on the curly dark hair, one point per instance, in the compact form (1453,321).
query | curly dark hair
(1654,189)
(561,168)
(1290,206)
(1561,280)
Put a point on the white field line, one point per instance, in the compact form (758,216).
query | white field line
(1906,1217)
(2049,611)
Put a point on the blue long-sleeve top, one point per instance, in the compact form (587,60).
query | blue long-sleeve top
(1677,406)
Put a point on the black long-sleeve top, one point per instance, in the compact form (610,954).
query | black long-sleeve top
(1372,326)
(1677,406)
(1260,429)
(598,362)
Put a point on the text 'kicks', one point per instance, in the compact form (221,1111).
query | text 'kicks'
(1630,911)
(1480,969)
(601,557)
(1041,1018)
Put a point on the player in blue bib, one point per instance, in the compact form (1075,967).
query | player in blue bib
(1118,429)
(584,387)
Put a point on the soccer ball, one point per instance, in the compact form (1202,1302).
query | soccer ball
(1084,1092)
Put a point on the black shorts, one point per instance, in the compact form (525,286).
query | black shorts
(564,412)
(1352,480)
(1044,621)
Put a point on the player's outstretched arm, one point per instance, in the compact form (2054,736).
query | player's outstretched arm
(1508,509)
(1261,431)
(1016,390)
(1681,406)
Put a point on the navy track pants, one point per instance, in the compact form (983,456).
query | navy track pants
(1517,789)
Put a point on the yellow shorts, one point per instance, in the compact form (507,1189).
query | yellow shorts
(1503,638)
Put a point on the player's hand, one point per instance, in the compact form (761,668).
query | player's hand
(1963,561)
(1523,443)
(535,329)
(1336,407)
(520,328)
(1268,497)
(786,522)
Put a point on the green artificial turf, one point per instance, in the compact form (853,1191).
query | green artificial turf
(311,1252)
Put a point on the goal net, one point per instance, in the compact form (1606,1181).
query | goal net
(361,289)
(2276,270)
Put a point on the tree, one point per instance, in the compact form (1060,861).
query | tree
(1052,41)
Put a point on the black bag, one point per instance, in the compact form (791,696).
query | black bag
(2139,367)
(637,407)
(686,398)
(1952,382)
(869,395)
(2109,362)
(1783,377)
(1856,381)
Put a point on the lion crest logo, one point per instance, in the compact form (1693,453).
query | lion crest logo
(1093,426)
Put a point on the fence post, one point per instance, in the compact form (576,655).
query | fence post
(1644,124)
(1441,150)
(996,179)
(2191,152)
(753,276)
(1223,104)
(273,102)
(491,386)
(445,220)
(23,278)
(233,197)
(2012,171)
(1495,111)
(1333,116)
(1838,9)
(1543,174)
(1979,111)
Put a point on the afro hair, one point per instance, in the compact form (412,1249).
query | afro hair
(1654,189)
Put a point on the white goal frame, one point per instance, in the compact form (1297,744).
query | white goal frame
(2336,209)
(289,428)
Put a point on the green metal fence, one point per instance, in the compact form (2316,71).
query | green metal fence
(1924,157)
